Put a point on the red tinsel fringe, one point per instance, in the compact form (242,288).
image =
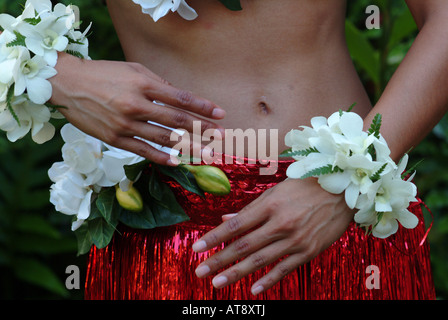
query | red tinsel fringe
(159,264)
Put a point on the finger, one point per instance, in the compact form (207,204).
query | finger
(175,118)
(235,251)
(179,98)
(244,221)
(252,263)
(163,136)
(280,270)
(142,69)
(184,99)
(143,149)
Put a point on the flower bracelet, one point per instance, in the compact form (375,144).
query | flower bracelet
(29,47)
(346,159)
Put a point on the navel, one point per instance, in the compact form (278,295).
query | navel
(263,108)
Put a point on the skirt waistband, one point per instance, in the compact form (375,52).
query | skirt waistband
(247,184)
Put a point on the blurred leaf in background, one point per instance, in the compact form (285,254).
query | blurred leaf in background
(36,244)
(377,54)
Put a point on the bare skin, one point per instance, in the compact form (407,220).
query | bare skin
(273,66)
(262,67)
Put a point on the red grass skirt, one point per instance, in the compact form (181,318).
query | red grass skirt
(160,264)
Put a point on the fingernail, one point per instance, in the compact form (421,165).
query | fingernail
(199,246)
(230,215)
(202,271)
(218,113)
(172,162)
(257,290)
(219,281)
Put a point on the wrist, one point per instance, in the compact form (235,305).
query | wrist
(30,48)
(68,68)
(347,160)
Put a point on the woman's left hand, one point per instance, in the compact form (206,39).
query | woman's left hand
(295,220)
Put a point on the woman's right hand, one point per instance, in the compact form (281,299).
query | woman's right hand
(113,101)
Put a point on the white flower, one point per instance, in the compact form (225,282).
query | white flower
(41,6)
(10,57)
(159,8)
(46,38)
(31,75)
(388,197)
(70,194)
(81,44)
(315,160)
(339,153)
(31,116)
(114,160)
(299,139)
(4,88)
(83,154)
(10,23)
(88,166)
(355,179)
(79,176)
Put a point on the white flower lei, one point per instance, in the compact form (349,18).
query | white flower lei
(346,159)
(159,8)
(88,166)
(29,47)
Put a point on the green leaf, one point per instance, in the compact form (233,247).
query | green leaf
(133,171)
(183,177)
(377,175)
(33,21)
(404,25)
(298,153)
(107,206)
(379,217)
(32,223)
(362,51)
(101,232)
(284,152)
(138,220)
(234,5)
(35,272)
(19,41)
(84,238)
(75,53)
(351,107)
(168,211)
(155,188)
(411,169)
(73,41)
(9,97)
(329,169)
(376,126)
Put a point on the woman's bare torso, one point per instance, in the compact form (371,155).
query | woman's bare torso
(273,65)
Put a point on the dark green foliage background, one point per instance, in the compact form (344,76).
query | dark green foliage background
(36,244)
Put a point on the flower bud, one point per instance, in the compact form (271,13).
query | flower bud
(210,179)
(130,200)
